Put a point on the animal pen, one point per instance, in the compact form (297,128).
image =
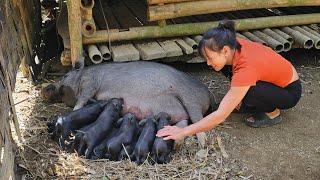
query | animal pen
(131,30)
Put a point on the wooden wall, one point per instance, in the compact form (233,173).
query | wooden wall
(17,37)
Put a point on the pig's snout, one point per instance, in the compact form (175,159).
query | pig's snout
(118,103)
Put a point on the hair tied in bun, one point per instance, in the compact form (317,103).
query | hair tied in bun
(227,24)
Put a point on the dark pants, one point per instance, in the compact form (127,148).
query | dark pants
(266,97)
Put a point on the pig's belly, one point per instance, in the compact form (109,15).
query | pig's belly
(144,106)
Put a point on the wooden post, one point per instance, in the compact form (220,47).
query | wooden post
(173,10)
(166,1)
(74,23)
(199,28)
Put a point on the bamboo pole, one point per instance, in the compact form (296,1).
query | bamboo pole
(300,38)
(74,23)
(151,2)
(283,34)
(242,36)
(311,30)
(191,42)
(254,38)
(197,38)
(88,25)
(274,44)
(276,36)
(316,39)
(198,28)
(169,11)
(94,54)
(105,52)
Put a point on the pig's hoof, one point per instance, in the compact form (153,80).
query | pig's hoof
(99,151)
(202,139)
(178,144)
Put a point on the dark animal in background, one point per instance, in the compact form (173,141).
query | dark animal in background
(145,141)
(101,127)
(76,120)
(146,87)
(161,149)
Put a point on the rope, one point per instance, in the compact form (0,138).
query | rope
(106,22)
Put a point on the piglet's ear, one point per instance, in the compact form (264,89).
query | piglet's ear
(142,122)
(155,121)
(119,122)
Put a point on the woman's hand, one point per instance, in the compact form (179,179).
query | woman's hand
(171,132)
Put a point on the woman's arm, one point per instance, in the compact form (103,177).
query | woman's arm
(227,105)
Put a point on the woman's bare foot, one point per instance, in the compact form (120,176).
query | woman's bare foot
(273,114)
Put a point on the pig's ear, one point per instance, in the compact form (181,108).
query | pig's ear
(142,122)
(119,122)
(79,64)
(67,95)
(155,121)
(157,117)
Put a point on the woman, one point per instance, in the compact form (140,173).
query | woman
(262,82)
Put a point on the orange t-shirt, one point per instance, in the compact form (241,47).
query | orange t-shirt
(256,62)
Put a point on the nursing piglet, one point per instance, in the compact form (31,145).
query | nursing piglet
(161,148)
(101,127)
(145,141)
(124,137)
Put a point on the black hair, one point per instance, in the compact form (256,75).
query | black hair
(218,37)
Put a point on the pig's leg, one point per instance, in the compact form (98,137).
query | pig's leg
(78,136)
(196,115)
(87,90)
(178,143)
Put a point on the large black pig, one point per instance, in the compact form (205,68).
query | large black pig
(146,87)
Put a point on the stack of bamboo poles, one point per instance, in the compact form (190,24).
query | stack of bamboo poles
(80,33)
(168,9)
(279,39)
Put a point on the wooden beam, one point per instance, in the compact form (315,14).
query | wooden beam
(167,1)
(74,23)
(169,11)
(199,28)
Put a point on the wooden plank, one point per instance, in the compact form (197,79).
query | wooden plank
(174,10)
(151,2)
(139,9)
(124,52)
(186,48)
(123,15)
(170,47)
(99,19)
(150,50)
(7,162)
(182,20)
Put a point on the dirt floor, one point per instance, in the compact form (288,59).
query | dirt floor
(290,150)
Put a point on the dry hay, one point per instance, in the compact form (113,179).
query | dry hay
(42,158)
